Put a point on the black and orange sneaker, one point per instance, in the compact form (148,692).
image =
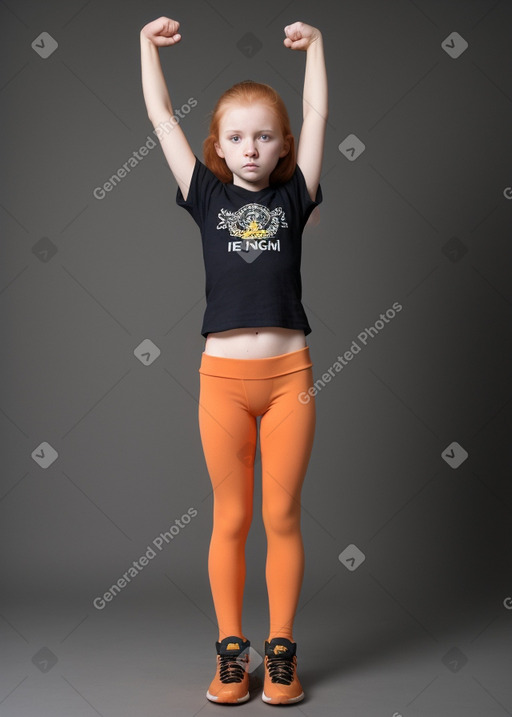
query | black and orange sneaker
(281,684)
(231,681)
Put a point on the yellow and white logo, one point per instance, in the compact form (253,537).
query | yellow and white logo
(252,221)
(279,648)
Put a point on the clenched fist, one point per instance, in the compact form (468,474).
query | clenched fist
(300,36)
(162,32)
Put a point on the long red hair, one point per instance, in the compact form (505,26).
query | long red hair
(245,93)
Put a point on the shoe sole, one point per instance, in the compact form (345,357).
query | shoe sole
(273,701)
(213,698)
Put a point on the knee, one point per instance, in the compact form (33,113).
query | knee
(232,526)
(281,519)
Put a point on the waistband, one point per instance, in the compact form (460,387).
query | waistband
(268,367)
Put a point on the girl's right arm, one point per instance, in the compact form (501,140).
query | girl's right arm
(177,151)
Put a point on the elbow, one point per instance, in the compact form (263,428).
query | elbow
(159,116)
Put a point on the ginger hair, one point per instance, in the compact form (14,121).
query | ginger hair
(245,93)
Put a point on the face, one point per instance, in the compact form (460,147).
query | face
(251,142)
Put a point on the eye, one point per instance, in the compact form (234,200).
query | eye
(265,137)
(235,137)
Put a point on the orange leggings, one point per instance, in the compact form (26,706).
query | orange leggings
(233,392)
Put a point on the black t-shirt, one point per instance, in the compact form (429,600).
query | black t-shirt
(252,245)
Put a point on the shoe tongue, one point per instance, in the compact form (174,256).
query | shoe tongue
(281,646)
(231,645)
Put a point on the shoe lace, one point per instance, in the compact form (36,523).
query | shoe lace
(280,669)
(232,668)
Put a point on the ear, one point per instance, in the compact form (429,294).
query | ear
(218,150)
(286,147)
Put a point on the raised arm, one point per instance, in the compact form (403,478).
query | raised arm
(300,36)
(161,33)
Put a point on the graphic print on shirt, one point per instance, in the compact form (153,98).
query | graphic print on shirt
(254,226)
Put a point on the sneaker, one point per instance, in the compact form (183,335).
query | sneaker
(231,681)
(281,684)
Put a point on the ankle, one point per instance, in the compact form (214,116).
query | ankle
(234,634)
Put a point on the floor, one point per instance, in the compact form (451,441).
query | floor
(135,658)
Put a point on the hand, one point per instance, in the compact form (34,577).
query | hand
(162,32)
(300,36)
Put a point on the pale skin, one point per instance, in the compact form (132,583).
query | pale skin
(247,136)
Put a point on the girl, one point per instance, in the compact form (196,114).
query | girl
(251,199)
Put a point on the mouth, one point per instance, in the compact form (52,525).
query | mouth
(251,165)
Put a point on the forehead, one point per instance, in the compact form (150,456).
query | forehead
(255,115)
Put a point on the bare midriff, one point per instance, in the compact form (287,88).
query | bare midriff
(257,342)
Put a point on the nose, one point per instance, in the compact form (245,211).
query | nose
(250,148)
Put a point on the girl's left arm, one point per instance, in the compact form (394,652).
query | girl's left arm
(301,36)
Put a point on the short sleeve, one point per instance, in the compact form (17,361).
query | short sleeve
(202,183)
(301,197)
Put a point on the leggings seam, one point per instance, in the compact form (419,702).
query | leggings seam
(246,396)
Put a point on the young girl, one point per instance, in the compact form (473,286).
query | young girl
(251,199)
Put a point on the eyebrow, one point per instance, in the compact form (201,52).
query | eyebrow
(240,131)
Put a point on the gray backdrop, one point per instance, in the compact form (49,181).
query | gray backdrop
(406,602)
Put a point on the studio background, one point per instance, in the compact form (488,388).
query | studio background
(101,303)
